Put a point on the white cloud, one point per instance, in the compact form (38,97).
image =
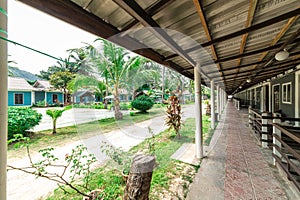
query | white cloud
(42,32)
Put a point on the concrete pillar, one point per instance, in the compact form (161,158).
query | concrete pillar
(222,100)
(251,98)
(198,107)
(212,109)
(3,99)
(218,102)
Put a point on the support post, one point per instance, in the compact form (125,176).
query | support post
(198,108)
(3,99)
(264,130)
(218,102)
(212,109)
(275,141)
(251,98)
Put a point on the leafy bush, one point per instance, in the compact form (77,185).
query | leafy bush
(40,104)
(21,119)
(124,106)
(101,106)
(142,103)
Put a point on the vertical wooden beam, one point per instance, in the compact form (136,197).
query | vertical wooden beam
(212,109)
(198,107)
(3,99)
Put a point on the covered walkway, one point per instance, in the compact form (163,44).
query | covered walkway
(236,167)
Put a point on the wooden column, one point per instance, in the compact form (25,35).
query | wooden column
(212,109)
(198,108)
(3,99)
(139,179)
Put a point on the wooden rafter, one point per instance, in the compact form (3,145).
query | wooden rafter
(206,30)
(279,36)
(293,62)
(75,15)
(132,8)
(244,31)
(251,13)
(152,10)
(276,46)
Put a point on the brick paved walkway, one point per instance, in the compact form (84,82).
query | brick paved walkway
(235,167)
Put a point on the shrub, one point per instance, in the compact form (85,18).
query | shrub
(21,119)
(142,103)
(124,106)
(101,106)
(40,104)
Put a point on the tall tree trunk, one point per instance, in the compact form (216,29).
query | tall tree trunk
(118,113)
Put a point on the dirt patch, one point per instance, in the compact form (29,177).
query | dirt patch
(179,183)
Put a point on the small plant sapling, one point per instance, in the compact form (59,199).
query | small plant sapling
(173,119)
(76,165)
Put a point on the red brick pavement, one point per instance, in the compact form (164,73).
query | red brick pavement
(247,174)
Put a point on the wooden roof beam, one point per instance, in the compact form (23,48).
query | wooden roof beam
(247,65)
(203,20)
(132,8)
(271,59)
(264,74)
(152,10)
(255,27)
(271,68)
(75,15)
(251,12)
(279,36)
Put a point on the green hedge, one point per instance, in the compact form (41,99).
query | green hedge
(21,119)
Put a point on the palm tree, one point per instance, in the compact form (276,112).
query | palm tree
(113,63)
(55,114)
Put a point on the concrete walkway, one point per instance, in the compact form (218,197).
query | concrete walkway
(235,167)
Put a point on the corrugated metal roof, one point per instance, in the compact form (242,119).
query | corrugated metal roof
(240,36)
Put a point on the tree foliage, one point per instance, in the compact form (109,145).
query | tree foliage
(60,80)
(112,63)
(21,119)
(142,103)
(55,114)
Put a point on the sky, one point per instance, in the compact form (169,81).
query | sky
(42,32)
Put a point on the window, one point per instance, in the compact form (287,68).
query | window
(19,99)
(287,93)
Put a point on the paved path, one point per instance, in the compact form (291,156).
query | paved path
(235,167)
(27,187)
(72,117)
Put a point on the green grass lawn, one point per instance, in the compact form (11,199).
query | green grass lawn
(110,182)
(74,133)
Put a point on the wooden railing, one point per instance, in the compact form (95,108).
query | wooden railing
(282,137)
(286,151)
